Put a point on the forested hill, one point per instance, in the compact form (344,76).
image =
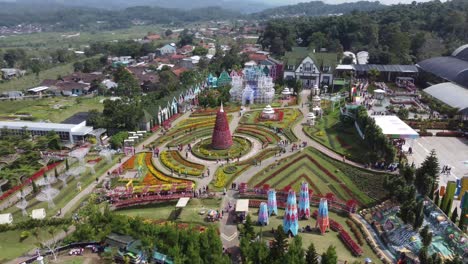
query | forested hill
(317,8)
(398,34)
(81,18)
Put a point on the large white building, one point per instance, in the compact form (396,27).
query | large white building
(67,132)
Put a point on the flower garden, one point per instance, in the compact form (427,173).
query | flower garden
(225,175)
(212,111)
(290,117)
(150,175)
(175,162)
(324,175)
(263,134)
(203,149)
(188,130)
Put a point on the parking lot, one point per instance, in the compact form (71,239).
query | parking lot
(450,151)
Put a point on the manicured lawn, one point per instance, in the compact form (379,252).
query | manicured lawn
(54,109)
(342,139)
(321,242)
(165,211)
(324,175)
(11,247)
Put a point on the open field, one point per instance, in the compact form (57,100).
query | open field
(324,175)
(321,242)
(72,40)
(164,212)
(31,80)
(55,109)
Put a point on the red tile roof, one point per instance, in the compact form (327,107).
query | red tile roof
(179,71)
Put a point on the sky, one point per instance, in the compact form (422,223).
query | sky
(387,2)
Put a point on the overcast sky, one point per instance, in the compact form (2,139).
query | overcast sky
(387,2)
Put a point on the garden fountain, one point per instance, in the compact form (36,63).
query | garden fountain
(64,178)
(79,154)
(107,154)
(76,171)
(22,204)
(47,193)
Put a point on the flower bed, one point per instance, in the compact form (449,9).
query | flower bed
(129,164)
(174,161)
(239,147)
(350,243)
(213,111)
(450,134)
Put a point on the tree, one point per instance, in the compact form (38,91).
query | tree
(311,255)
(200,51)
(116,140)
(248,230)
(426,236)
(168,32)
(185,38)
(426,175)
(295,252)
(127,83)
(279,245)
(437,198)
(329,257)
(373,74)
(454,216)
(424,256)
(403,113)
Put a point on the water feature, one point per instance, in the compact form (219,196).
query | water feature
(47,193)
(76,171)
(79,154)
(107,154)
(22,204)
(64,178)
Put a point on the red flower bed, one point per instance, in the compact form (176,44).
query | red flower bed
(335,226)
(350,243)
(450,134)
(129,164)
(34,177)
(96,160)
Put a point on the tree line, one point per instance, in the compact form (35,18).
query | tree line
(400,34)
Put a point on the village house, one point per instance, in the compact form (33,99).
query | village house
(309,67)
(167,50)
(9,73)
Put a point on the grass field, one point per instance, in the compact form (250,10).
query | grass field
(48,40)
(342,139)
(164,212)
(321,242)
(11,247)
(31,80)
(324,175)
(54,109)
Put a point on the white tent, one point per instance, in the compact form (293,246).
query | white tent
(182,202)
(6,219)
(38,213)
(394,127)
(242,205)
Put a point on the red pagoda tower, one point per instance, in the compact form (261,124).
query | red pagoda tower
(221,138)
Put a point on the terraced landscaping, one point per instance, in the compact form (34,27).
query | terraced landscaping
(225,175)
(324,175)
(290,117)
(264,135)
(175,162)
(342,139)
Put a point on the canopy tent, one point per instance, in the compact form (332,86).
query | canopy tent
(182,202)
(394,127)
(242,205)
(451,94)
(38,213)
(6,219)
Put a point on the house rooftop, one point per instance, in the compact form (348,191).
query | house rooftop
(298,54)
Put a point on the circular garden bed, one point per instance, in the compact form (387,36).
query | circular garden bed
(203,149)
